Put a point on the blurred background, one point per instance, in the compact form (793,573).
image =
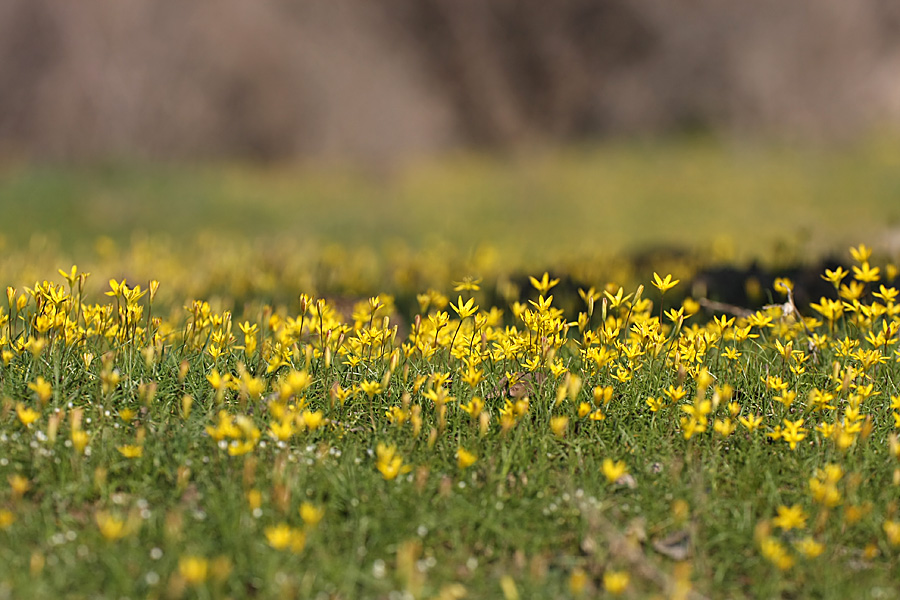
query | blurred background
(534,129)
(391,80)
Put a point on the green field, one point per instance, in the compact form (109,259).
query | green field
(747,200)
(319,383)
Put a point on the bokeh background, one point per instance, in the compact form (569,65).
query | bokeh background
(527,130)
(382,81)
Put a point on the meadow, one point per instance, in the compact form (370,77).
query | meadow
(450,381)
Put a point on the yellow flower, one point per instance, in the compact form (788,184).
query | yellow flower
(284,537)
(589,296)
(615,582)
(19,485)
(578,581)
(239,448)
(42,388)
(472,376)
(130,451)
(26,414)
(558,425)
(508,587)
(72,276)
(312,420)
(892,530)
(664,285)
(217,381)
(731,353)
(282,430)
(787,398)
(888,295)
(311,514)
(473,407)
(254,499)
(35,345)
(619,299)
(823,486)
(821,400)
(194,569)
(543,286)
(388,464)
(866,274)
(724,427)
(675,393)
(809,547)
(279,536)
(790,517)
(613,470)
(298,381)
(468,284)
(80,440)
(597,415)
(111,527)
(675,315)
(464,458)
(603,394)
(370,388)
(655,404)
(861,253)
(691,306)
(298,541)
(855,512)
(776,553)
(7,518)
(464,310)
(793,433)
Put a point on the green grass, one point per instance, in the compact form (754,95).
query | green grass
(535,511)
(745,200)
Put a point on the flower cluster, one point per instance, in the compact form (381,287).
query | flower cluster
(101,390)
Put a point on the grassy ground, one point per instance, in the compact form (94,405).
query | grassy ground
(311,456)
(272,444)
(749,201)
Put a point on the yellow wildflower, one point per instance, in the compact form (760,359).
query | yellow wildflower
(544,284)
(892,530)
(19,485)
(613,470)
(776,553)
(615,582)
(194,569)
(42,389)
(388,464)
(27,415)
(464,309)
(464,458)
(663,285)
(279,536)
(790,517)
(312,420)
(793,433)
(7,518)
(809,547)
(111,527)
(131,451)
(724,427)
(311,514)
(558,425)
